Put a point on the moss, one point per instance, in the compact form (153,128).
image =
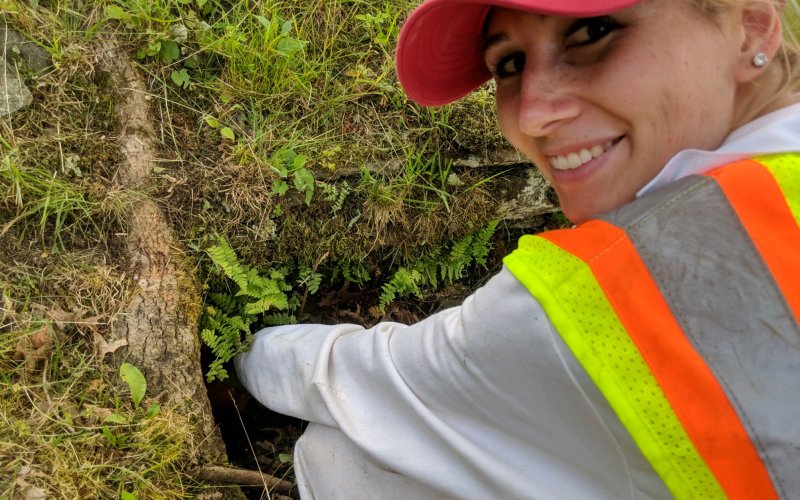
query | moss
(475,124)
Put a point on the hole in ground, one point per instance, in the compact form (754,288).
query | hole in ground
(255,437)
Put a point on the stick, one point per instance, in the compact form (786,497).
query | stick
(245,477)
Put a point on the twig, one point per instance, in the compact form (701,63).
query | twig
(245,477)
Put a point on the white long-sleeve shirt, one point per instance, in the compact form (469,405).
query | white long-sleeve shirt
(483,400)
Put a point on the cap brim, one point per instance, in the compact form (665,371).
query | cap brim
(440,49)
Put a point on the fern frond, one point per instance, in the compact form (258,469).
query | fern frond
(264,304)
(281,318)
(481,246)
(223,256)
(405,282)
(227,325)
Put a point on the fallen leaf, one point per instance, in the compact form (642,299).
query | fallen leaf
(34,348)
(59,316)
(102,347)
(94,415)
(27,491)
(94,386)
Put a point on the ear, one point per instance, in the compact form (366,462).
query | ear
(761,25)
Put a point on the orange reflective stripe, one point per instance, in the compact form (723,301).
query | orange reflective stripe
(761,206)
(689,385)
(581,312)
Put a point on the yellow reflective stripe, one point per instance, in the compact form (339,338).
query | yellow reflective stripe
(786,170)
(575,303)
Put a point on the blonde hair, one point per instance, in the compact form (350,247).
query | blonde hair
(788,55)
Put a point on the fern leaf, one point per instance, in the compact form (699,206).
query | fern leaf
(482,244)
(223,256)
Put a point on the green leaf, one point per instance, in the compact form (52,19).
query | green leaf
(116,12)
(228,133)
(169,51)
(289,46)
(153,47)
(299,161)
(263,20)
(115,418)
(125,495)
(278,163)
(211,121)
(135,380)
(153,410)
(181,78)
(286,28)
(304,182)
(280,187)
(285,458)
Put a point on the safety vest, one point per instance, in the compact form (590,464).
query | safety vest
(683,308)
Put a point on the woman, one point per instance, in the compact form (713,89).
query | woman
(651,351)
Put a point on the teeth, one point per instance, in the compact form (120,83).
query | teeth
(578,158)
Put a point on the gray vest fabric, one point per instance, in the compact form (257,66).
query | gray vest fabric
(728,303)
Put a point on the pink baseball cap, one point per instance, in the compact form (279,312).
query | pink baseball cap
(440,49)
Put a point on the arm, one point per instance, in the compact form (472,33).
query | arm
(476,400)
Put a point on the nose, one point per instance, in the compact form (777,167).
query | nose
(546,102)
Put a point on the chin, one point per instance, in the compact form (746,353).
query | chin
(577,215)
(582,211)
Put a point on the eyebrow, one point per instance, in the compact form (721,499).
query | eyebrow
(494,40)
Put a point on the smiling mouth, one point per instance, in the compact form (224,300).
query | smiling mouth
(577,159)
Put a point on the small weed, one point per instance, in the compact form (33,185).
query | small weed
(382,26)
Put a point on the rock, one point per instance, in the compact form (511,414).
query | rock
(526,197)
(494,158)
(16,48)
(14,95)
(15,53)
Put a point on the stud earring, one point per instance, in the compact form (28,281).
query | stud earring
(760,60)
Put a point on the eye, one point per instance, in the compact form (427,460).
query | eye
(588,30)
(509,65)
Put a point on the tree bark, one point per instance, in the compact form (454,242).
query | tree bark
(160,323)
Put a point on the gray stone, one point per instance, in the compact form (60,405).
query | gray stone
(494,158)
(13,93)
(526,198)
(16,53)
(16,48)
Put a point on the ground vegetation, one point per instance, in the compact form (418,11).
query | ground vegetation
(188,171)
